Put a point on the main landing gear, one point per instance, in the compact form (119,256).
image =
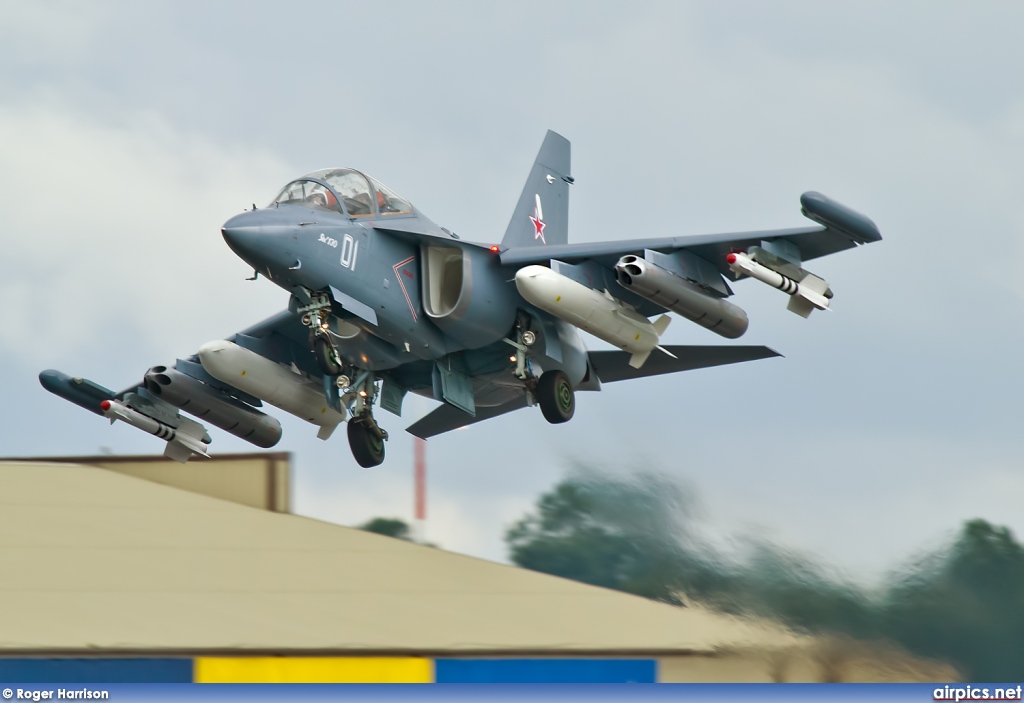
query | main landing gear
(357,387)
(552,391)
(365,437)
(366,444)
(555,396)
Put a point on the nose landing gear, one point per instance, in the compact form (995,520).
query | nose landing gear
(326,355)
(316,316)
(365,437)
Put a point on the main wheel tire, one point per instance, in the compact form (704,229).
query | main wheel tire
(556,397)
(367,448)
(324,357)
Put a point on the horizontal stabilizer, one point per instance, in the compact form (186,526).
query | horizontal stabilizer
(613,366)
(448,417)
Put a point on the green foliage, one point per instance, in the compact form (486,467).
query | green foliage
(611,533)
(775,583)
(963,604)
(389,527)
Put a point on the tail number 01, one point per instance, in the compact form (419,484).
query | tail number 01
(349,251)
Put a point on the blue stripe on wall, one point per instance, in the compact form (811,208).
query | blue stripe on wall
(545,671)
(96,670)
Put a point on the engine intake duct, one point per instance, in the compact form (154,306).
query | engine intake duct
(210,405)
(679,295)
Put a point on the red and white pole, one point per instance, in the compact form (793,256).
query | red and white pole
(420,513)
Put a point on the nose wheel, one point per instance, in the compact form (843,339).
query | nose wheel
(326,356)
(556,397)
(316,317)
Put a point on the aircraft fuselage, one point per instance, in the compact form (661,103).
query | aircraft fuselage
(377,280)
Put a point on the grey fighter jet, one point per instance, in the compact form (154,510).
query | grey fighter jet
(383,302)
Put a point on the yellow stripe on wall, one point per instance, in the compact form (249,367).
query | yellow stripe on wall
(313,670)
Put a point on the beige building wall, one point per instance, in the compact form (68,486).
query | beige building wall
(137,569)
(258,480)
(817,660)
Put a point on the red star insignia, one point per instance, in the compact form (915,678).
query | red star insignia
(537,218)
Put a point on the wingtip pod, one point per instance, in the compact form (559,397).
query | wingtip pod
(80,391)
(826,211)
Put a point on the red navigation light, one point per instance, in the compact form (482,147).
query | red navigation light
(495,248)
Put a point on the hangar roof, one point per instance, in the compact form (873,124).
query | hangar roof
(99,561)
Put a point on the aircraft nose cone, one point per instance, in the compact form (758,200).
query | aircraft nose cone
(243,234)
(266,243)
(242,240)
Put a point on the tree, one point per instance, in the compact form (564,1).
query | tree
(389,527)
(965,604)
(608,532)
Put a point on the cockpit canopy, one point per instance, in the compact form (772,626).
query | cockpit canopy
(349,192)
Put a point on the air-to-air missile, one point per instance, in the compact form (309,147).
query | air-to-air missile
(807,294)
(183,441)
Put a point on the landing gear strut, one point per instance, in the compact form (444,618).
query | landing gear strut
(326,356)
(366,440)
(358,387)
(365,437)
(316,316)
(552,391)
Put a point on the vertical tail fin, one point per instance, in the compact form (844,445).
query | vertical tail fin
(542,214)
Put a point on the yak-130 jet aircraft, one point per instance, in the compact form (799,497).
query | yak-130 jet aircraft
(384,302)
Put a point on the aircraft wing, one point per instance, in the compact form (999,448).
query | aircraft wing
(609,366)
(840,228)
(274,350)
(448,417)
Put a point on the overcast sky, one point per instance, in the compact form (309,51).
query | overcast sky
(131,131)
